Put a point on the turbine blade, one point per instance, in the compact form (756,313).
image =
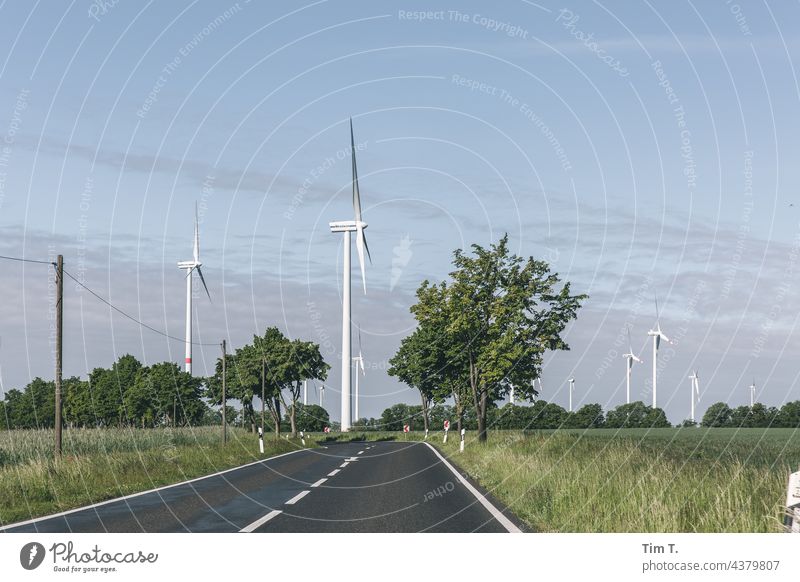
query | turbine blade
(630,346)
(666,339)
(356,193)
(196,248)
(361,243)
(203,281)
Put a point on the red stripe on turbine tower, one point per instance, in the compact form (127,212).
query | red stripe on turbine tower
(188,360)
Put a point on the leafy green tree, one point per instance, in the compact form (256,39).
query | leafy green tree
(299,361)
(789,415)
(636,415)
(588,416)
(77,406)
(717,415)
(311,417)
(499,315)
(164,394)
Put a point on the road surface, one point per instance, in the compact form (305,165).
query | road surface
(344,487)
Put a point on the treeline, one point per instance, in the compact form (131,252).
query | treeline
(543,415)
(132,394)
(756,416)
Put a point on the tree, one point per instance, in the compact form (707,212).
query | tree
(588,416)
(636,415)
(165,394)
(498,316)
(789,415)
(717,415)
(311,417)
(299,361)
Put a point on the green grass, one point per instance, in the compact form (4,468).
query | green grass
(100,464)
(664,480)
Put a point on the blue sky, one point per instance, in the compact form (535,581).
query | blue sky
(640,149)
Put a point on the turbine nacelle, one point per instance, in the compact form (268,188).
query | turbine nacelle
(347,226)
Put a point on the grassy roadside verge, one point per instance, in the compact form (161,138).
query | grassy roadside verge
(101,464)
(662,482)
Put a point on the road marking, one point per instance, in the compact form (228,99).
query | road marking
(343,465)
(298,497)
(318,483)
(360,452)
(259,522)
(332,473)
(132,495)
(496,513)
(351,459)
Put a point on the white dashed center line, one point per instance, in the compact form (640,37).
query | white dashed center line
(298,497)
(360,452)
(318,483)
(343,465)
(259,522)
(332,473)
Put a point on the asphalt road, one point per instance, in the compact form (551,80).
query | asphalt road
(346,487)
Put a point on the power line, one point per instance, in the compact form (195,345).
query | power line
(133,319)
(23,260)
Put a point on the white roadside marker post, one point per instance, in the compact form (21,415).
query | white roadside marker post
(446,428)
(461,446)
(261,440)
(792,520)
(302,438)
(426,435)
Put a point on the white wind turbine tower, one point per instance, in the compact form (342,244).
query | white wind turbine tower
(189,266)
(657,336)
(631,358)
(695,392)
(753,393)
(347,227)
(571,389)
(359,361)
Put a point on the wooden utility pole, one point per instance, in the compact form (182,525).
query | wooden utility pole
(224,405)
(59,321)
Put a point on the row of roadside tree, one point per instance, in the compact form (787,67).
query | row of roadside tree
(543,415)
(135,395)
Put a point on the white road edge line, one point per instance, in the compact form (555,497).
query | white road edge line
(298,497)
(318,483)
(496,513)
(343,465)
(259,522)
(332,473)
(132,495)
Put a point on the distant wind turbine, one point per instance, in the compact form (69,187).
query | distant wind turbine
(189,267)
(657,336)
(695,392)
(347,227)
(631,358)
(753,393)
(571,389)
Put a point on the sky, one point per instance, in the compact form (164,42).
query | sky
(642,150)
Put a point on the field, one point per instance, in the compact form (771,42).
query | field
(101,464)
(637,480)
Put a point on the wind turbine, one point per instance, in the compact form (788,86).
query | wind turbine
(631,357)
(657,336)
(347,227)
(753,393)
(360,359)
(189,267)
(571,388)
(695,391)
